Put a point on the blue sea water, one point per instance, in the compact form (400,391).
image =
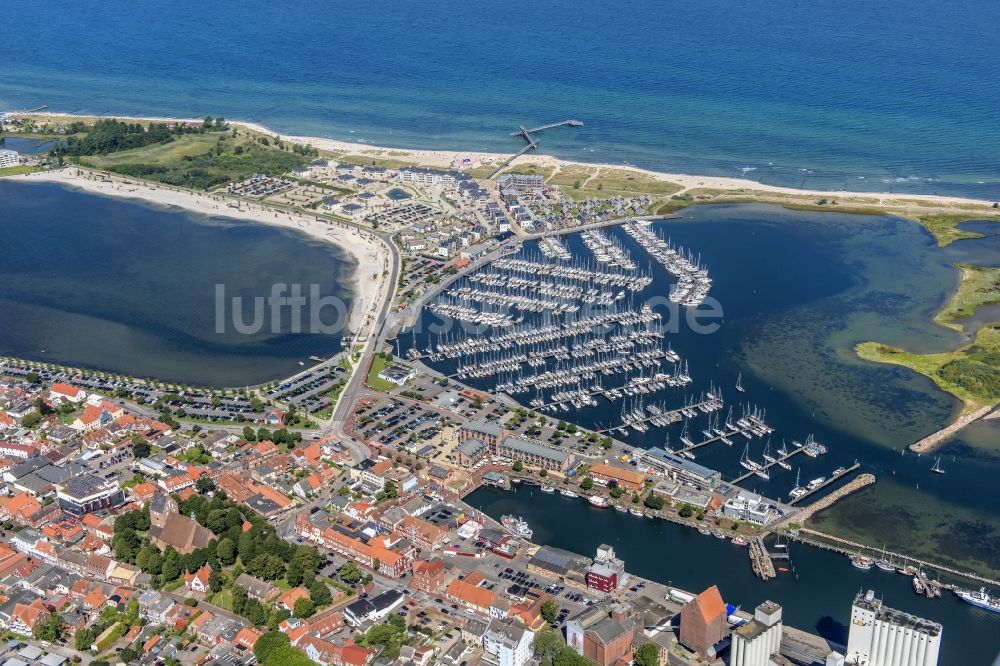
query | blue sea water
(899,94)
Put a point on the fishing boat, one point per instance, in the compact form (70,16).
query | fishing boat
(568,493)
(548,489)
(937,466)
(598,501)
(816,483)
(516,526)
(861,562)
(980,599)
(918,585)
(739,541)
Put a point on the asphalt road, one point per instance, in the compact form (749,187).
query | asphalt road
(357,381)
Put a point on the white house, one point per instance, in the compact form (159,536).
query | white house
(9,158)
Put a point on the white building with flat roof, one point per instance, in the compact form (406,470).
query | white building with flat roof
(9,158)
(506,643)
(883,636)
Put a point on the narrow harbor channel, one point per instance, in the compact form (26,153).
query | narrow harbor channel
(677,555)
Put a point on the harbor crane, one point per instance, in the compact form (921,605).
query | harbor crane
(522,131)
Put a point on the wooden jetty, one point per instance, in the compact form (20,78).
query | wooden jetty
(522,131)
(831,480)
(768,465)
(673,415)
(760,559)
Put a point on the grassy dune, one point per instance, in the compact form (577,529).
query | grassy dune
(972,372)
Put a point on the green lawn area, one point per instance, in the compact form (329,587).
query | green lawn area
(162,153)
(16,170)
(376,382)
(199,161)
(222,598)
(170,587)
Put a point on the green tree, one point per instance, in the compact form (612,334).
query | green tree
(654,501)
(84,638)
(319,593)
(31,420)
(51,630)
(240,599)
(255,612)
(268,645)
(225,550)
(647,655)
(567,656)
(308,558)
(349,573)
(294,575)
(686,511)
(386,635)
(304,607)
(215,581)
(204,485)
(171,570)
(587,483)
(549,610)
(546,644)
(518,466)
(266,566)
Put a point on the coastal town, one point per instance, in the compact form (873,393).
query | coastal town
(322,518)
(137,542)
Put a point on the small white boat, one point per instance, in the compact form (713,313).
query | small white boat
(636,512)
(598,501)
(548,489)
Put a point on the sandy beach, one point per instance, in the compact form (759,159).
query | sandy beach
(444,159)
(367,250)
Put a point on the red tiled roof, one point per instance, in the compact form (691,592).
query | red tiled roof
(709,604)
